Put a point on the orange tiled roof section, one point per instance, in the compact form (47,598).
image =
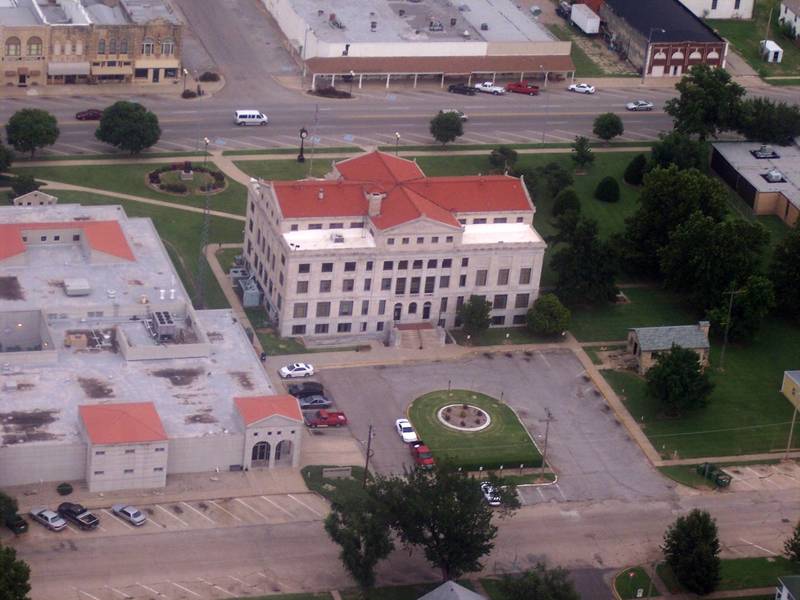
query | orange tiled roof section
(127,423)
(255,408)
(103,236)
(409,193)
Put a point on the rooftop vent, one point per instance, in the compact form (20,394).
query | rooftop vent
(321,194)
(373,26)
(484,27)
(764,152)
(774,176)
(337,238)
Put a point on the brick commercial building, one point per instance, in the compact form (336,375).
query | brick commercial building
(88,41)
(376,244)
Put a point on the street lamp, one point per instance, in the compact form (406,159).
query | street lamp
(396,143)
(546,107)
(303,135)
(352,76)
(647,49)
(185,73)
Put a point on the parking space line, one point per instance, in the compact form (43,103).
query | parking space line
(207,518)
(185,589)
(71,528)
(176,517)
(87,594)
(221,589)
(301,503)
(120,592)
(563,497)
(224,510)
(149,589)
(116,518)
(278,506)
(767,550)
(542,356)
(541,495)
(243,503)
(240,581)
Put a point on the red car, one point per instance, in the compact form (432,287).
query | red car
(422,455)
(325,418)
(523,87)
(89,115)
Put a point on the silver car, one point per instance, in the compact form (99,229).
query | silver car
(637,105)
(129,513)
(48,518)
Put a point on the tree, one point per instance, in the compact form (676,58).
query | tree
(539,583)
(607,126)
(503,157)
(530,177)
(769,122)
(791,547)
(474,315)
(785,273)
(582,152)
(705,259)
(708,102)
(566,199)
(679,149)
(691,549)
(678,382)
(128,126)
(357,523)
(14,576)
(753,302)
(446,127)
(565,225)
(584,268)
(554,177)
(6,158)
(24,184)
(8,507)
(668,197)
(634,172)
(607,190)
(30,129)
(442,511)
(548,316)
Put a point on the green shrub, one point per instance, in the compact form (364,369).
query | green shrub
(634,172)
(188,94)
(607,190)
(567,199)
(503,157)
(209,76)
(64,489)
(175,188)
(24,184)
(548,316)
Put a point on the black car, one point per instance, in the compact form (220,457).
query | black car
(315,401)
(461,88)
(308,388)
(92,114)
(17,524)
(78,515)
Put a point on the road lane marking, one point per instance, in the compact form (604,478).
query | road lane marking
(544,358)
(176,517)
(209,519)
(224,510)
(185,589)
(278,506)
(563,497)
(759,547)
(151,590)
(240,581)
(301,503)
(86,594)
(245,504)
(121,593)
(219,588)
(117,519)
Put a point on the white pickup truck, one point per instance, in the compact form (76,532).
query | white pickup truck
(487,87)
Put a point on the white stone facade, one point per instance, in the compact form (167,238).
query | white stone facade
(721,9)
(126,466)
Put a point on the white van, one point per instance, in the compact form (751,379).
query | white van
(250,117)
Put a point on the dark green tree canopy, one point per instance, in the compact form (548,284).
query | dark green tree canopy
(785,273)
(607,190)
(752,303)
(14,575)
(548,316)
(503,157)
(567,199)
(607,126)
(585,267)
(679,149)
(446,127)
(128,126)
(634,172)
(708,102)
(769,122)
(8,507)
(30,129)
(554,177)
(791,547)
(474,315)
(539,583)
(678,382)
(6,158)
(582,152)
(691,549)
(23,184)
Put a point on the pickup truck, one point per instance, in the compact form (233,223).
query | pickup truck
(487,87)
(523,87)
(325,418)
(78,515)
(422,455)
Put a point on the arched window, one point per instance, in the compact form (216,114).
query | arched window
(12,46)
(101,46)
(68,47)
(412,308)
(147,46)
(56,48)
(123,46)
(167,47)
(713,55)
(677,55)
(79,47)
(660,55)
(112,46)
(34,46)
(695,55)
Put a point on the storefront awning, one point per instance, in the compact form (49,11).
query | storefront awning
(68,68)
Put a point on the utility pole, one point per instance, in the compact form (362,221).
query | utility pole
(732,293)
(313,143)
(546,435)
(369,454)
(201,261)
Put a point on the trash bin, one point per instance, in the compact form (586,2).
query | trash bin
(263,356)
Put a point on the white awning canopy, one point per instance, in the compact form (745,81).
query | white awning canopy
(68,68)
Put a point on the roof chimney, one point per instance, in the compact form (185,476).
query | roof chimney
(375,200)
(321,195)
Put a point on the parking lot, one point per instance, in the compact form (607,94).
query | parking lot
(591,452)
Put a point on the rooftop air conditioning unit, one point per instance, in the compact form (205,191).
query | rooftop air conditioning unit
(484,27)
(774,176)
(337,238)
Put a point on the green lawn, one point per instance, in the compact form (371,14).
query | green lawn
(687,474)
(285,170)
(180,232)
(741,573)
(318,150)
(497,335)
(312,475)
(631,580)
(225,257)
(648,307)
(132,179)
(401,592)
(504,442)
(746,413)
(744,36)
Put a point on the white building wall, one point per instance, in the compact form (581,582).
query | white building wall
(22,464)
(273,431)
(787,15)
(126,466)
(208,453)
(721,9)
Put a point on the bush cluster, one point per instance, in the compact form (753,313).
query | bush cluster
(209,76)
(175,188)
(188,94)
(331,92)
(154,177)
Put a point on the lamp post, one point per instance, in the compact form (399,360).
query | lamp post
(185,73)
(546,108)
(352,77)
(303,135)
(647,49)
(396,143)
(204,234)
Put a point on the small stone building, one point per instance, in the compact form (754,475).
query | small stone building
(35,198)
(273,427)
(646,343)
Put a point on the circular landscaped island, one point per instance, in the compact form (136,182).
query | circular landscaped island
(471,430)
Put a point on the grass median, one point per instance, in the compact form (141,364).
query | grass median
(740,573)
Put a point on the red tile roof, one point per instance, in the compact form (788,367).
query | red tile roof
(129,423)
(256,408)
(103,236)
(409,194)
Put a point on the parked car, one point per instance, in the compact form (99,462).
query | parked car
(639,105)
(461,88)
(325,418)
(582,88)
(422,455)
(296,370)
(490,493)
(454,111)
(487,87)
(564,9)
(78,515)
(129,513)
(315,401)
(16,524)
(307,388)
(523,87)
(406,431)
(92,114)
(48,518)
